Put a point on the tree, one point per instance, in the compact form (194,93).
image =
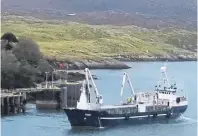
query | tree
(9,67)
(28,50)
(23,66)
(8,41)
(26,76)
(10,37)
(15,74)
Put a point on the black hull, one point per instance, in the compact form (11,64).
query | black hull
(88,118)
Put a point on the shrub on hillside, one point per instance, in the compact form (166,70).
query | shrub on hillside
(23,64)
(27,49)
(9,67)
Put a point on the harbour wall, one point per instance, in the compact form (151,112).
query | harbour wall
(13,102)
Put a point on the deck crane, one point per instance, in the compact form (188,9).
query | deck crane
(130,84)
(89,76)
(85,101)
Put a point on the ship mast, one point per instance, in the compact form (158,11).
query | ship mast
(163,82)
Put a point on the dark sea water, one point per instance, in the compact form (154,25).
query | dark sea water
(144,76)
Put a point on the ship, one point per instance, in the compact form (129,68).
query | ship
(161,103)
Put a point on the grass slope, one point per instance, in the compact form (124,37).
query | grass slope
(66,40)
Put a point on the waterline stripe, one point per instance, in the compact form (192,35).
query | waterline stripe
(131,117)
(112,118)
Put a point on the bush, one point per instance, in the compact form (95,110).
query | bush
(27,49)
(9,68)
(22,65)
(26,76)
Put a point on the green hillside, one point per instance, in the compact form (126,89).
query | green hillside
(66,40)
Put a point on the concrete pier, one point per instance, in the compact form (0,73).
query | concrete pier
(48,99)
(65,97)
(13,101)
(12,104)
(70,94)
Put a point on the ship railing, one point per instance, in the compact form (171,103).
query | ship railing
(125,110)
(162,101)
(157,108)
(93,106)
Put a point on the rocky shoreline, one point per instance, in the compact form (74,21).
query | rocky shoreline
(114,63)
(91,64)
(158,59)
(191,57)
